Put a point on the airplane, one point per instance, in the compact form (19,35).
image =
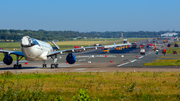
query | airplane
(36,50)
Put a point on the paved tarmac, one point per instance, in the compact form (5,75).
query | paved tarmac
(128,60)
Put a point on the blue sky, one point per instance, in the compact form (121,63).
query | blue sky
(90,15)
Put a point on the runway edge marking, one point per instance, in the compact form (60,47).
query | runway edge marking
(133,60)
(141,57)
(123,64)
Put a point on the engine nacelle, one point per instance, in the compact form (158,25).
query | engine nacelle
(8,60)
(71,58)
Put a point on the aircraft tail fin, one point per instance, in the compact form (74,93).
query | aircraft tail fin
(56,46)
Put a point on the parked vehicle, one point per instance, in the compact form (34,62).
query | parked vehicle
(165,41)
(96,45)
(77,50)
(134,45)
(118,48)
(141,46)
(149,45)
(142,51)
(106,50)
(174,52)
(176,45)
(169,45)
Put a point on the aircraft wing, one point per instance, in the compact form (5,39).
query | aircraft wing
(85,48)
(73,50)
(114,46)
(12,52)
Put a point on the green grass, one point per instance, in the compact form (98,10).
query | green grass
(108,86)
(10,45)
(170,56)
(171,49)
(164,62)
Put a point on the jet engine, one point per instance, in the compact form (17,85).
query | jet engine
(8,60)
(71,58)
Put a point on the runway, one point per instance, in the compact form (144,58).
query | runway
(128,60)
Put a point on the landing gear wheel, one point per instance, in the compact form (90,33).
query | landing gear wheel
(52,65)
(56,65)
(20,66)
(44,65)
(17,66)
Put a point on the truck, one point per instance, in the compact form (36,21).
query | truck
(125,41)
(96,45)
(149,45)
(118,47)
(176,45)
(142,51)
(147,40)
(169,45)
(176,39)
(165,41)
(75,47)
(106,50)
(134,45)
(141,46)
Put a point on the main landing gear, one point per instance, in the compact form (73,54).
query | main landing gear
(17,65)
(44,65)
(54,65)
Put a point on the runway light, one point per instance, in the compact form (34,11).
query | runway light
(105,55)
(122,55)
(26,63)
(89,61)
(137,56)
(66,62)
(111,61)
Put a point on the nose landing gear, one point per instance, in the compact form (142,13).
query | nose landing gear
(17,65)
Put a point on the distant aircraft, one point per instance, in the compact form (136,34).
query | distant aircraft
(36,50)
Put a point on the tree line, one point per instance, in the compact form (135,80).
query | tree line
(16,35)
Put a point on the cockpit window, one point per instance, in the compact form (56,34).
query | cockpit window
(34,42)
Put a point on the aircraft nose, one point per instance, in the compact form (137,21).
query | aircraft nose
(26,41)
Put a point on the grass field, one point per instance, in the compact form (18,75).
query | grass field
(164,62)
(171,49)
(119,86)
(173,56)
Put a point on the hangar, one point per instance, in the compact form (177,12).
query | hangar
(169,34)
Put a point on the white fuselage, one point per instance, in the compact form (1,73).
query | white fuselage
(34,49)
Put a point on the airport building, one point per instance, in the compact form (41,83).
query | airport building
(169,34)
